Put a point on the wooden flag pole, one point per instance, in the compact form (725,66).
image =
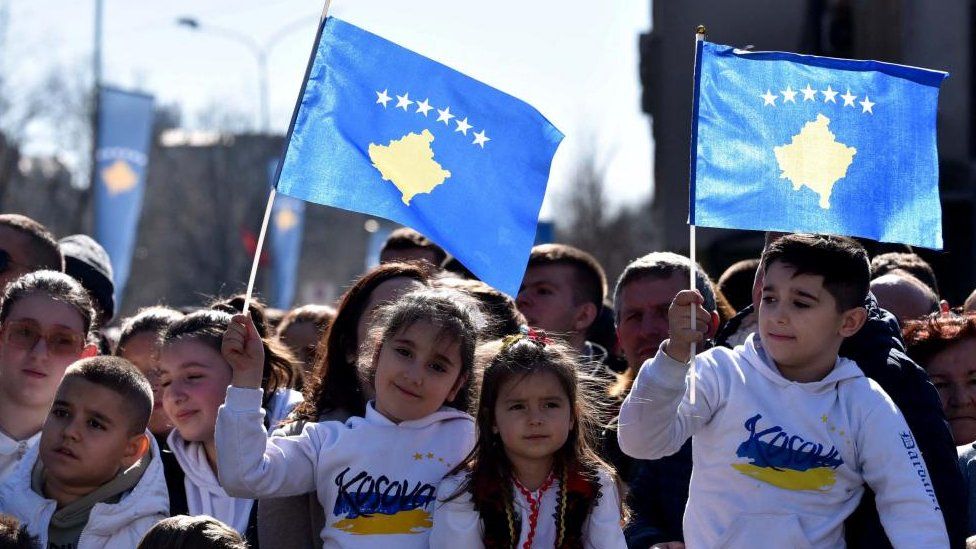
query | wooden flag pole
(267,212)
(693,274)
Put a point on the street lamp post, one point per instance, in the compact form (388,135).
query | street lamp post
(260,52)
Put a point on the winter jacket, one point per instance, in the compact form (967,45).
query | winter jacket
(110,525)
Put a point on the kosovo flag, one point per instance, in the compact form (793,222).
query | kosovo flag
(385,131)
(796,143)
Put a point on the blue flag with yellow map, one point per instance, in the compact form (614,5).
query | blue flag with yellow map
(385,131)
(125,121)
(797,143)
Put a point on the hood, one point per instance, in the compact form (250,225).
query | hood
(148,498)
(877,337)
(446,413)
(760,361)
(193,461)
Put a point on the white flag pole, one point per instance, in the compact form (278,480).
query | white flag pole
(267,213)
(257,251)
(699,37)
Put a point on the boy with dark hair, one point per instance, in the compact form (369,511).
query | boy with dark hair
(786,432)
(562,293)
(25,246)
(406,244)
(96,479)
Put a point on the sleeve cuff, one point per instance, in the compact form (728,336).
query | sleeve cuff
(663,371)
(240,399)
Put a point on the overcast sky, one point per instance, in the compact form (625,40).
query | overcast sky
(575,61)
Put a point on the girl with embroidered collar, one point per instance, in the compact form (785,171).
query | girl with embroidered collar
(534,431)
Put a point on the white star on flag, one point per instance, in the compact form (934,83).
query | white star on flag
(768,99)
(789,95)
(445,116)
(866,105)
(403,101)
(462,126)
(382,98)
(809,94)
(423,107)
(848,98)
(480,139)
(829,95)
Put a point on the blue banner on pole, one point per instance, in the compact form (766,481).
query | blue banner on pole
(125,121)
(798,143)
(385,131)
(287,226)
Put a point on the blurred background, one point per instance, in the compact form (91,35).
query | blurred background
(615,77)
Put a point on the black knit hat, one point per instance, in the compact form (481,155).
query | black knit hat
(87,262)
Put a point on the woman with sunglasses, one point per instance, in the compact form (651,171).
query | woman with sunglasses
(46,319)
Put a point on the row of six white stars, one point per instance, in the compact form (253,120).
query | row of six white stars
(810,94)
(445,116)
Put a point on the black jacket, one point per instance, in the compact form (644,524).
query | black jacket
(880,353)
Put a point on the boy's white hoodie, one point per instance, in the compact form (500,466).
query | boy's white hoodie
(376,479)
(779,463)
(110,525)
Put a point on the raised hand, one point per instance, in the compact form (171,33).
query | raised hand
(243,350)
(681,335)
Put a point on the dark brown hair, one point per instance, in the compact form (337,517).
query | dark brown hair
(336,381)
(841,261)
(320,315)
(153,319)
(57,286)
(908,262)
(208,327)
(199,532)
(454,314)
(122,377)
(503,316)
(14,535)
(930,336)
(519,357)
(406,238)
(44,250)
(736,282)
(591,280)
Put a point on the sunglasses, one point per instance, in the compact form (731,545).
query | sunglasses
(60,342)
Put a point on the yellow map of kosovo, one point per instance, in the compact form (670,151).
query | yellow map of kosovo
(409,164)
(815,158)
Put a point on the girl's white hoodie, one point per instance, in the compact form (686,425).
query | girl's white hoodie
(779,463)
(110,525)
(376,480)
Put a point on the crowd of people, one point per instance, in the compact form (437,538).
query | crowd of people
(810,397)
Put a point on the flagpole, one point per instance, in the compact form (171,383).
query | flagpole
(267,213)
(693,274)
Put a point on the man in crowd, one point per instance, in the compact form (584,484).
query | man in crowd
(406,244)
(25,246)
(658,488)
(562,293)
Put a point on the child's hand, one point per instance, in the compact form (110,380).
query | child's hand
(681,336)
(243,349)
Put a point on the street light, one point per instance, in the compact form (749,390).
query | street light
(260,52)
